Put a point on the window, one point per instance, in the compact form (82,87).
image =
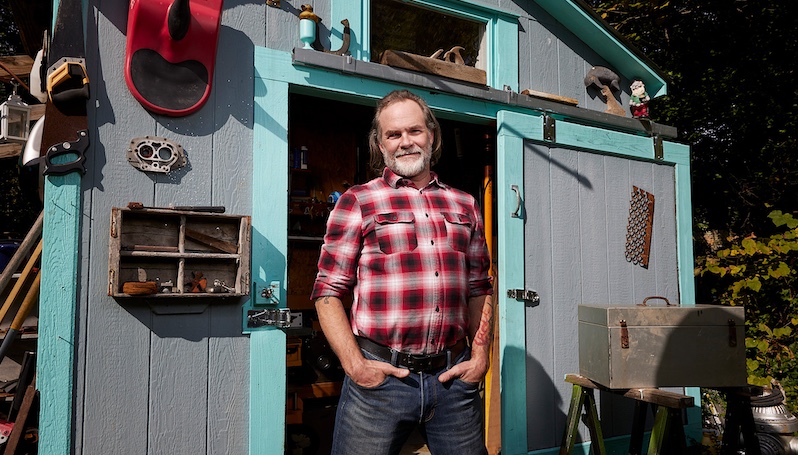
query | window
(410,28)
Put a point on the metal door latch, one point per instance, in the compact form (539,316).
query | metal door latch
(271,317)
(527,295)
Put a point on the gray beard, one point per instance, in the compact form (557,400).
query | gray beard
(408,170)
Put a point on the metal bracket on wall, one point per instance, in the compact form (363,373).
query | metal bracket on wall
(270,317)
(528,296)
(549,128)
(659,151)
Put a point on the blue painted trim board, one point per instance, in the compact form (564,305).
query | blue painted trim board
(57,304)
(57,309)
(511,130)
(267,368)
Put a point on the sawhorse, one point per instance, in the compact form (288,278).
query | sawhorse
(739,421)
(667,433)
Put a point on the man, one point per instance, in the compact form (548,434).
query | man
(413,251)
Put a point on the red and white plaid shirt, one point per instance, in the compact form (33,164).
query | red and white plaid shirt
(411,256)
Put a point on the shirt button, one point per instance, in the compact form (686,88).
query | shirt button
(436,273)
(432,242)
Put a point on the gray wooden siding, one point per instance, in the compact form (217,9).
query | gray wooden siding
(149,381)
(577,212)
(552,60)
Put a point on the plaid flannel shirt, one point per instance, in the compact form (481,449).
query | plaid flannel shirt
(412,257)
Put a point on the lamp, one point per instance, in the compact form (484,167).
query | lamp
(15,119)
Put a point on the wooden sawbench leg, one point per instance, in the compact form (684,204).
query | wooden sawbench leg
(582,397)
(667,436)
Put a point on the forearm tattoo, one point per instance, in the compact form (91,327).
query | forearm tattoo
(484,333)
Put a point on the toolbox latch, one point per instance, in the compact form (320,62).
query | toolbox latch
(732,333)
(624,335)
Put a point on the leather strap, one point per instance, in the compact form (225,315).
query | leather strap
(416,363)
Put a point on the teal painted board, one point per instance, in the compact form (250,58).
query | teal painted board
(680,155)
(267,392)
(267,386)
(604,140)
(55,348)
(509,149)
(58,291)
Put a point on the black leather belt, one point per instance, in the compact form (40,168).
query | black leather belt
(416,363)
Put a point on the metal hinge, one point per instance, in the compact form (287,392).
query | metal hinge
(527,295)
(270,317)
(659,148)
(549,128)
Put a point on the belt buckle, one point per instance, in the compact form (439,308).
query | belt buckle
(418,363)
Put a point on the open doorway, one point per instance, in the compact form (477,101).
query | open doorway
(328,153)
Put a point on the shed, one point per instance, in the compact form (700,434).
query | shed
(282,129)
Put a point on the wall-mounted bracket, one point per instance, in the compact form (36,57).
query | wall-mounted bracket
(269,317)
(659,151)
(267,295)
(549,128)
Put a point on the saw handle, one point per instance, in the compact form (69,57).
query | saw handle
(68,83)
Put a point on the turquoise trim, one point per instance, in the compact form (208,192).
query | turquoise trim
(605,44)
(679,154)
(603,140)
(58,298)
(267,387)
(504,53)
(57,311)
(267,391)
(512,128)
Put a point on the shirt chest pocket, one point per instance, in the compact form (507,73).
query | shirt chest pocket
(458,230)
(396,232)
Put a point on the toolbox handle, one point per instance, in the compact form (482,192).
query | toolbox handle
(667,303)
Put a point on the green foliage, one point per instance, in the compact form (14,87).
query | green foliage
(762,275)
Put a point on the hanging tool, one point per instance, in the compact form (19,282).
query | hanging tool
(65,134)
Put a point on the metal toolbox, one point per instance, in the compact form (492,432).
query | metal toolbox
(624,347)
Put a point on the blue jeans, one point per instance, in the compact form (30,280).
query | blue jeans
(379,420)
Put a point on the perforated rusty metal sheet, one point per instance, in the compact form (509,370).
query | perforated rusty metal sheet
(638,230)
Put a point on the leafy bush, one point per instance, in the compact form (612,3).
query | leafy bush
(762,275)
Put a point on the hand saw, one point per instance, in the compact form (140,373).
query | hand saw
(65,136)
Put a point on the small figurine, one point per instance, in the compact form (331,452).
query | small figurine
(638,102)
